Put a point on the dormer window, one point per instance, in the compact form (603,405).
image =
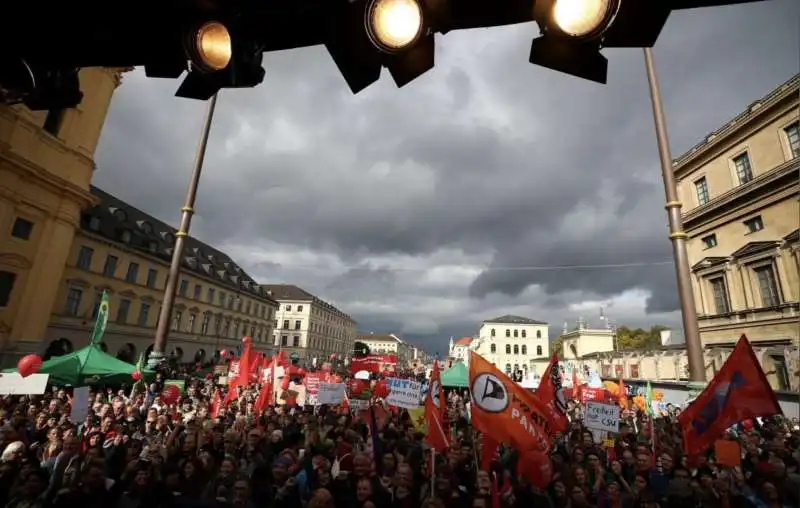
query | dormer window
(145,226)
(152,246)
(120,215)
(94,224)
(126,236)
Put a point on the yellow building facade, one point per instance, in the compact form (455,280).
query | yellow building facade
(126,253)
(740,189)
(46,165)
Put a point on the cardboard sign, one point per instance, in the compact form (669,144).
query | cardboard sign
(601,416)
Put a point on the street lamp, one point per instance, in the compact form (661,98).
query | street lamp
(187,211)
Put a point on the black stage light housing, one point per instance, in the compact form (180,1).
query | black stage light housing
(359,58)
(39,88)
(582,60)
(245,69)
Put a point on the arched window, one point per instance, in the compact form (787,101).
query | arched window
(516,368)
(493,332)
(508,368)
(516,349)
(508,349)
(508,332)
(538,334)
(516,334)
(539,350)
(524,334)
(524,349)
(494,348)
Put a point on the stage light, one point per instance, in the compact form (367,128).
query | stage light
(583,18)
(394,25)
(212,47)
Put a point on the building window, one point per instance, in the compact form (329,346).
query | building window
(284,340)
(493,333)
(508,349)
(299,308)
(524,334)
(508,333)
(122,313)
(198,289)
(221,299)
(768,286)
(184,287)
(781,372)
(7,280)
(709,241)
(73,305)
(493,348)
(288,308)
(110,267)
(524,349)
(204,324)
(755,224)
(176,320)
(190,323)
(744,170)
(285,324)
(793,137)
(144,315)
(538,334)
(53,121)
(85,255)
(516,334)
(296,341)
(720,293)
(133,273)
(210,295)
(701,188)
(297,324)
(152,277)
(634,370)
(516,349)
(22,229)
(539,350)
(508,368)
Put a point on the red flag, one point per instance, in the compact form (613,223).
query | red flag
(576,386)
(506,412)
(488,452)
(739,391)
(241,375)
(434,412)
(265,395)
(551,393)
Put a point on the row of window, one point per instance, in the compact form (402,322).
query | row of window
(768,288)
(508,370)
(751,225)
(315,344)
(223,326)
(744,167)
(221,299)
(516,349)
(321,327)
(517,333)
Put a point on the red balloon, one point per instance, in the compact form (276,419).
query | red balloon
(171,394)
(29,364)
(381,389)
(536,467)
(357,387)
(136,375)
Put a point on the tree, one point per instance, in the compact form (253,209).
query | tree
(639,338)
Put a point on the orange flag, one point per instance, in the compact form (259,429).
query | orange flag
(551,393)
(506,412)
(434,413)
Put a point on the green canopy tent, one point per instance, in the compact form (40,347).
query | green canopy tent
(88,366)
(456,376)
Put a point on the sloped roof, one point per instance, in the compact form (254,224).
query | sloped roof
(373,337)
(753,248)
(297,294)
(120,222)
(510,319)
(463,341)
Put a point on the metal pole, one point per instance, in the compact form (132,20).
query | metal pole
(165,315)
(694,347)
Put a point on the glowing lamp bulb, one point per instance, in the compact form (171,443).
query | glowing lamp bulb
(214,49)
(580,18)
(395,24)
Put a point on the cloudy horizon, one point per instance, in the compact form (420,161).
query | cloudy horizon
(486,187)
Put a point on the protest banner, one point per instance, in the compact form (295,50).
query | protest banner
(404,393)
(601,416)
(331,393)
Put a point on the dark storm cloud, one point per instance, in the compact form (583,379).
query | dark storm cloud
(513,165)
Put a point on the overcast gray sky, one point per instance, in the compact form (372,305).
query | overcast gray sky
(424,210)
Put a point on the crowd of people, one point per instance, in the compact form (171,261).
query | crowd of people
(135,451)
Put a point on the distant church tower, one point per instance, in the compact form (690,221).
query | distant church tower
(450,350)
